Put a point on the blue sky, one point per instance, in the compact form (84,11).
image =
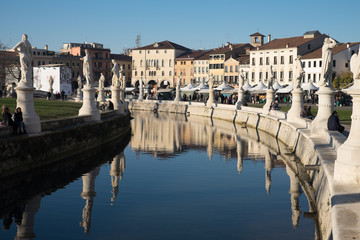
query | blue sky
(194,24)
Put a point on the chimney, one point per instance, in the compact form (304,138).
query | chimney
(269,37)
(287,45)
(46,47)
(347,45)
(231,47)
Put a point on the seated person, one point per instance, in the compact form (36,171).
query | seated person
(274,106)
(110,105)
(303,112)
(8,119)
(334,123)
(308,113)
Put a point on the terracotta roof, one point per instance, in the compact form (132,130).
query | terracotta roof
(8,54)
(227,48)
(206,56)
(256,34)
(291,42)
(192,55)
(243,59)
(164,45)
(121,57)
(338,48)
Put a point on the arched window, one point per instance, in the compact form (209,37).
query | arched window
(170,63)
(163,63)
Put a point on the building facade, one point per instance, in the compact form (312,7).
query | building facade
(201,68)
(155,63)
(99,54)
(281,54)
(231,71)
(184,66)
(312,62)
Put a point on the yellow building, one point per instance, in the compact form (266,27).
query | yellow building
(218,57)
(184,66)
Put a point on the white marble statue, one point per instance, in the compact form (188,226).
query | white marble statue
(242,78)
(211,82)
(115,70)
(299,73)
(123,82)
(121,71)
(327,61)
(178,83)
(101,81)
(355,65)
(87,68)
(272,76)
(79,84)
(25,53)
(51,83)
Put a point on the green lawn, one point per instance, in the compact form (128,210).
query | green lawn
(344,114)
(47,109)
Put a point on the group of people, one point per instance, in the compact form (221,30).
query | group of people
(15,120)
(107,106)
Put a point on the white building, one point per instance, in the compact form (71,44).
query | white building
(281,54)
(201,68)
(60,73)
(341,61)
(154,64)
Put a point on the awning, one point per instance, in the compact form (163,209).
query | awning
(223,86)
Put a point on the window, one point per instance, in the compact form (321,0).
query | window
(231,68)
(141,63)
(281,75)
(334,63)
(39,63)
(346,65)
(194,69)
(140,52)
(314,77)
(43,63)
(128,66)
(320,63)
(314,64)
(170,63)
(275,60)
(261,61)
(266,75)
(309,64)
(253,61)
(162,73)
(275,74)
(267,60)
(236,68)
(135,73)
(282,60)
(290,75)
(309,46)
(309,77)
(142,73)
(260,76)
(163,63)
(290,59)
(226,68)
(252,76)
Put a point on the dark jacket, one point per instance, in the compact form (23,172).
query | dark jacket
(8,119)
(18,117)
(334,124)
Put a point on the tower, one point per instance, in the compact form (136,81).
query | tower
(257,39)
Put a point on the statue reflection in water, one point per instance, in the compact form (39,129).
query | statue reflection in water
(116,172)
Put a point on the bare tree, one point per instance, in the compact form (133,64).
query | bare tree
(9,66)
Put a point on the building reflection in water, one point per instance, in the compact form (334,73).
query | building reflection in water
(167,136)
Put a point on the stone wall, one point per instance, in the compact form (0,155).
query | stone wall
(25,153)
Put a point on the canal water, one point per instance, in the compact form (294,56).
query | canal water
(176,177)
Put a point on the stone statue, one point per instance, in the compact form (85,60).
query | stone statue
(87,69)
(51,83)
(355,65)
(178,83)
(79,82)
(271,80)
(210,82)
(327,61)
(115,70)
(123,82)
(101,81)
(121,71)
(25,53)
(241,78)
(299,73)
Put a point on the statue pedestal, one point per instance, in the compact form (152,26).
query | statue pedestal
(296,106)
(25,100)
(89,104)
(325,108)
(239,102)
(177,97)
(101,96)
(347,164)
(115,98)
(270,96)
(210,101)
(79,96)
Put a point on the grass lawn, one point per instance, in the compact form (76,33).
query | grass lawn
(344,114)
(47,109)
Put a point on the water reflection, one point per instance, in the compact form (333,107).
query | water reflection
(163,137)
